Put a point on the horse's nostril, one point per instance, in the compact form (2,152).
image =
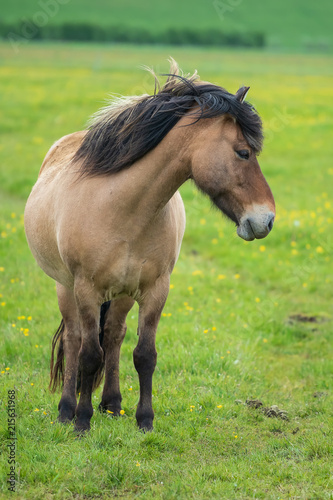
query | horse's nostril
(271,222)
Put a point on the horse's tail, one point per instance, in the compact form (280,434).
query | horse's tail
(57,368)
(100,372)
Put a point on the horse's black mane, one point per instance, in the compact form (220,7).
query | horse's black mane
(129,128)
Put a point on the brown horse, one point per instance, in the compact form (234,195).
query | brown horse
(106,222)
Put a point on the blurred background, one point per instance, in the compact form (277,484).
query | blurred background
(298,25)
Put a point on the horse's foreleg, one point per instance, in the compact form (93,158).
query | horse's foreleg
(71,339)
(90,354)
(114,333)
(145,354)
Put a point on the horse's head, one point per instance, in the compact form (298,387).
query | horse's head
(225,166)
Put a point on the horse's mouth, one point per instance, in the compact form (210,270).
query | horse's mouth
(256,226)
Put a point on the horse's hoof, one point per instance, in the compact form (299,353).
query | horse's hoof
(146,425)
(81,427)
(109,409)
(64,420)
(66,412)
(66,417)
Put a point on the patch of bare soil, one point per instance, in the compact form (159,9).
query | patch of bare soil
(306,318)
(269,411)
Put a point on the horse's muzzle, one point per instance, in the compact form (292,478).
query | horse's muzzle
(255,226)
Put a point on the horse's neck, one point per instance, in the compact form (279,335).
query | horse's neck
(152,181)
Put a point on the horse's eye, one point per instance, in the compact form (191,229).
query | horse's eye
(244,154)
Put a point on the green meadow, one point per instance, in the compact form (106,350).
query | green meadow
(243,321)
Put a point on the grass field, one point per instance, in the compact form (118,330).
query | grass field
(285,24)
(243,320)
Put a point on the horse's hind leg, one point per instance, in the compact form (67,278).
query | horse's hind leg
(145,354)
(71,340)
(114,333)
(91,353)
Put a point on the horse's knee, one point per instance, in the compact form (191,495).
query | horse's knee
(118,334)
(144,359)
(90,358)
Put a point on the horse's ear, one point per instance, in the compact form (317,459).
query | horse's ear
(241,93)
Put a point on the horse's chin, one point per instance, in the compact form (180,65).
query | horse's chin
(245,232)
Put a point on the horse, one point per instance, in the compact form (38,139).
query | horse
(105,220)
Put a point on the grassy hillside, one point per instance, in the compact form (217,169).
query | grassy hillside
(242,321)
(297,24)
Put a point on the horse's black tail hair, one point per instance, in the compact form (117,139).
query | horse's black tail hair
(57,369)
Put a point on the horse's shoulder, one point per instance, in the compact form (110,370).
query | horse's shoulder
(62,150)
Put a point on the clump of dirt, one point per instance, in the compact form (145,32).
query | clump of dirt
(269,411)
(275,412)
(319,394)
(253,403)
(306,318)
